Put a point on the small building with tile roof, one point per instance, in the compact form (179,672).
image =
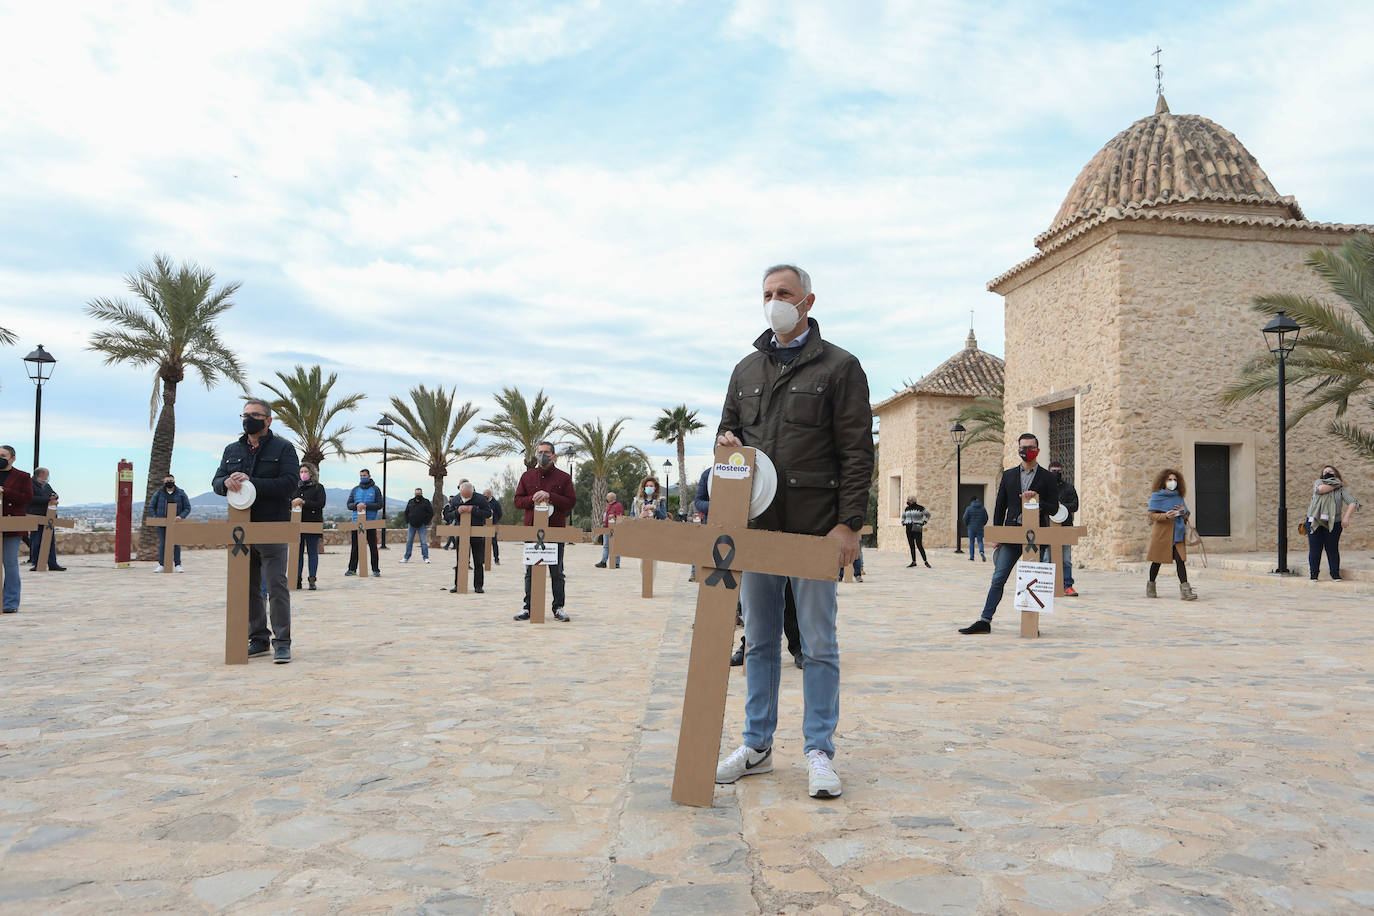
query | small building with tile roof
(1132,316)
(916,455)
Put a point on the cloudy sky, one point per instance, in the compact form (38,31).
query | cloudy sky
(580,196)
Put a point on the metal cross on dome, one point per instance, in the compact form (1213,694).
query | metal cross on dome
(1159,71)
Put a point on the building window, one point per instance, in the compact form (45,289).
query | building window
(894,495)
(1061,439)
(1212,489)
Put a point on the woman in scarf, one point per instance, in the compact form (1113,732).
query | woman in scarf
(650,501)
(1327,516)
(1168,529)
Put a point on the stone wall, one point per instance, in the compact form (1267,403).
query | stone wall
(87,542)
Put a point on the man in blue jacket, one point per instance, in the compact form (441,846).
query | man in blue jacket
(366,498)
(157,508)
(271,465)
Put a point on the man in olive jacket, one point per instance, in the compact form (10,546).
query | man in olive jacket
(804,403)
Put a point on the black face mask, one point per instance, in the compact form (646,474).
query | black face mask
(252,425)
(170,486)
(4,464)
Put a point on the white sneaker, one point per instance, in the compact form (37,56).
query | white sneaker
(745,761)
(405,559)
(823,781)
(178,568)
(159,568)
(426,560)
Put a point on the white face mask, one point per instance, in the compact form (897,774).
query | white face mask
(1171,484)
(649,491)
(781,315)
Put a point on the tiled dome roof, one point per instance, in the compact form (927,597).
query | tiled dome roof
(1168,158)
(969,373)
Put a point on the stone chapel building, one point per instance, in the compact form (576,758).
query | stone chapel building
(1147,273)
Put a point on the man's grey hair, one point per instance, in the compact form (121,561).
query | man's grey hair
(466,485)
(37,471)
(802,275)
(266,407)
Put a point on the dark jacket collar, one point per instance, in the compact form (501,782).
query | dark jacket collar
(809,350)
(262,440)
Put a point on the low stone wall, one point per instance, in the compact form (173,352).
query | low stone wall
(85,542)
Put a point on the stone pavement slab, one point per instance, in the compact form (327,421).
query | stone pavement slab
(423,753)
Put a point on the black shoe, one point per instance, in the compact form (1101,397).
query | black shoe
(376,573)
(1313,577)
(255,649)
(312,584)
(983,555)
(478,591)
(911,564)
(11,610)
(33,568)
(560,616)
(64,569)
(298,585)
(617,566)
(797,659)
(281,655)
(978,626)
(523,615)
(351,572)
(737,659)
(1336,579)
(496,561)
(928,566)
(601,565)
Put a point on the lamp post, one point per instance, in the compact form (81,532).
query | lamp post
(1281,336)
(39,365)
(667,472)
(957,433)
(385,423)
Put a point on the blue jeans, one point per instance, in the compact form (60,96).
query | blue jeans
(1004,561)
(1068,565)
(424,542)
(308,550)
(606,549)
(975,536)
(162,548)
(11,560)
(763,599)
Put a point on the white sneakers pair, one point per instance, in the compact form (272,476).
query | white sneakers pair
(822,780)
(177,568)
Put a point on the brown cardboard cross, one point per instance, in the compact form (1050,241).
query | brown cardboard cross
(721,549)
(360,526)
(606,536)
(172,524)
(539,534)
(293,550)
(1029,538)
(47,524)
(238,534)
(463,547)
(18,524)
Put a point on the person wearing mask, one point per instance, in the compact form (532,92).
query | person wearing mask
(496,513)
(419,513)
(804,403)
(168,494)
(1068,498)
(612,511)
(467,501)
(43,497)
(975,518)
(1027,485)
(1328,514)
(1168,515)
(914,518)
(546,485)
(650,501)
(310,496)
(270,464)
(365,498)
(18,491)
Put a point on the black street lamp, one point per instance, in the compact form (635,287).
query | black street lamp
(1281,336)
(957,433)
(39,365)
(385,423)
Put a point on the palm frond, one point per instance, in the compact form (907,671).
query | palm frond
(7,336)
(1361,441)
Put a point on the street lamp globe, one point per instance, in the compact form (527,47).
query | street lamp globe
(1281,334)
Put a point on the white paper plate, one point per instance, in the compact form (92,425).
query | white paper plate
(1060,514)
(765,484)
(245,497)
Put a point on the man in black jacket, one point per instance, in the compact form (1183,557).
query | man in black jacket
(1068,498)
(1026,479)
(271,465)
(43,496)
(467,501)
(419,513)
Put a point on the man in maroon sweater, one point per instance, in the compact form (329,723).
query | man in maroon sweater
(546,485)
(18,487)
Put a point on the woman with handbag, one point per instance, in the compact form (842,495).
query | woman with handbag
(1327,516)
(1168,515)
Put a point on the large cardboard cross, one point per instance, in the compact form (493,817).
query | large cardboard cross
(463,547)
(539,534)
(293,551)
(20,524)
(606,535)
(238,533)
(1030,538)
(361,525)
(172,523)
(47,523)
(721,549)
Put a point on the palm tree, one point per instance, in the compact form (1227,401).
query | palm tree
(7,336)
(173,330)
(675,426)
(1334,353)
(520,425)
(983,419)
(597,444)
(427,431)
(302,406)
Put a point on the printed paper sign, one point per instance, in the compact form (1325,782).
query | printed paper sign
(734,467)
(1034,587)
(536,555)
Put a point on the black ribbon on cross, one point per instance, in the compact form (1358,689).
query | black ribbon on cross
(239,547)
(48,524)
(539,539)
(1030,542)
(723,573)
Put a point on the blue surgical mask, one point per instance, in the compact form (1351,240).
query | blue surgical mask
(364,479)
